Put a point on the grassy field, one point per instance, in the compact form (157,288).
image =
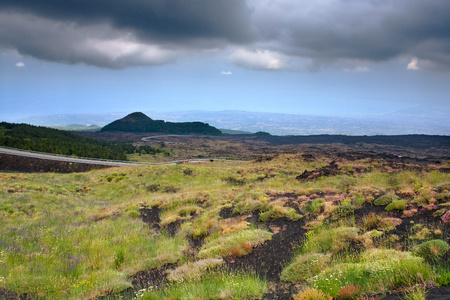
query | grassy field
(83,235)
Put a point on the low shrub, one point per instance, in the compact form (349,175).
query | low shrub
(228,226)
(409,213)
(370,221)
(276,210)
(238,243)
(315,206)
(432,250)
(212,286)
(343,211)
(373,233)
(180,213)
(194,270)
(249,206)
(330,240)
(169,189)
(377,270)
(358,200)
(385,199)
(235,180)
(421,233)
(446,217)
(304,266)
(268,210)
(443,279)
(312,294)
(419,293)
(349,292)
(388,224)
(444,186)
(397,205)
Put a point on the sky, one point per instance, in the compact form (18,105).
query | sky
(315,57)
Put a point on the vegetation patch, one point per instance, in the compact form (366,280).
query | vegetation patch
(305,266)
(235,244)
(432,250)
(114,231)
(212,286)
(44,139)
(330,240)
(396,205)
(385,199)
(377,271)
(312,294)
(193,271)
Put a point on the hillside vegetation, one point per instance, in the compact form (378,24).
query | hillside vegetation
(43,139)
(139,122)
(234,230)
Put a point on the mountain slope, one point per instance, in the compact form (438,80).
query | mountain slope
(43,139)
(139,122)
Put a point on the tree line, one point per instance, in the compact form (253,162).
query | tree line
(44,139)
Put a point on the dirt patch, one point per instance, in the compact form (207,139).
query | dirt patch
(173,227)
(331,170)
(226,213)
(268,259)
(8,295)
(149,279)
(150,216)
(29,164)
(435,293)
(280,291)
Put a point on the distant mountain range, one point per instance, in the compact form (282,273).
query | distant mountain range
(418,120)
(139,122)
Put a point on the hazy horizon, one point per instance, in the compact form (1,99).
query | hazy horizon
(426,121)
(314,58)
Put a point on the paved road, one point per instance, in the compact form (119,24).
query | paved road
(100,162)
(145,139)
(67,158)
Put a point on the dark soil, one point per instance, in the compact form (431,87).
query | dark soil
(226,213)
(28,164)
(173,227)
(422,149)
(412,141)
(268,259)
(331,170)
(8,295)
(441,293)
(149,279)
(150,216)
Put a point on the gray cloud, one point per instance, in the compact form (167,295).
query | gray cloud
(98,44)
(166,20)
(374,30)
(266,34)
(117,34)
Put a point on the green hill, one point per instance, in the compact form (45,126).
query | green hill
(44,139)
(139,122)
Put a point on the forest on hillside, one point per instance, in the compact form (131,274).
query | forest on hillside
(43,139)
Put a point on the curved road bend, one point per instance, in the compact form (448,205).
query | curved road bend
(66,159)
(109,163)
(154,137)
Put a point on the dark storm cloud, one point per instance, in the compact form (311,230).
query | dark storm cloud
(375,30)
(117,33)
(155,19)
(268,34)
